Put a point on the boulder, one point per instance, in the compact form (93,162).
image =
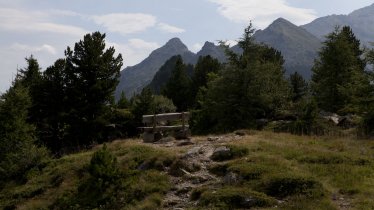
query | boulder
(221,154)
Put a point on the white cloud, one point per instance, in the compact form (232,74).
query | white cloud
(125,23)
(169,28)
(134,51)
(196,47)
(263,12)
(35,21)
(231,43)
(34,49)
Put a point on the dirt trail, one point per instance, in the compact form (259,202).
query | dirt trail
(197,156)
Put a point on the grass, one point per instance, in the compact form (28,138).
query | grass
(305,172)
(57,184)
(276,171)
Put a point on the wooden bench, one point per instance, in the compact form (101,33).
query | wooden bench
(155,126)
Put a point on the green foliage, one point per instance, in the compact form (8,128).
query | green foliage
(339,82)
(250,87)
(163,105)
(92,74)
(19,153)
(123,103)
(204,67)
(104,180)
(299,86)
(178,86)
(131,182)
(163,75)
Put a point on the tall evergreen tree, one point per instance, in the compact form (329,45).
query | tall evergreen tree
(52,91)
(178,87)
(339,82)
(299,86)
(205,65)
(92,74)
(250,87)
(17,137)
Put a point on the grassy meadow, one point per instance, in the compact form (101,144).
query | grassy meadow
(274,171)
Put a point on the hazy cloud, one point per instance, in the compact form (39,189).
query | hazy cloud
(196,47)
(125,23)
(34,21)
(263,12)
(170,29)
(34,49)
(134,51)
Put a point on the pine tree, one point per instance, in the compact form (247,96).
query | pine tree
(339,83)
(53,107)
(299,86)
(92,73)
(249,87)
(19,152)
(205,65)
(123,103)
(178,87)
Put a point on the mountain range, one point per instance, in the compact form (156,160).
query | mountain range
(299,46)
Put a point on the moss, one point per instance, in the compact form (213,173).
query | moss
(233,152)
(282,186)
(232,197)
(249,171)
(218,169)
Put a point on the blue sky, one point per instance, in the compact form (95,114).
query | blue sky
(137,27)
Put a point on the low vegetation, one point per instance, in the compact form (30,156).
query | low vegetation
(268,171)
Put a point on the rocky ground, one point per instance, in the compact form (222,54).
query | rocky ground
(192,171)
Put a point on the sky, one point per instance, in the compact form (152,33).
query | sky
(137,27)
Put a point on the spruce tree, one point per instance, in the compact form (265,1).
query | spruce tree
(178,87)
(339,82)
(92,73)
(251,86)
(299,86)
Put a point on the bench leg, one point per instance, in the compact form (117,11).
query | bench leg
(148,137)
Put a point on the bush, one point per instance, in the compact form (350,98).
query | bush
(19,165)
(103,183)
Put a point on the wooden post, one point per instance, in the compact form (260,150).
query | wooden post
(154,123)
(183,126)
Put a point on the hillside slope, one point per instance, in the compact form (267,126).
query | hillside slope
(299,47)
(134,78)
(261,170)
(361,21)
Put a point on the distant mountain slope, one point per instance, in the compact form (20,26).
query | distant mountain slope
(361,21)
(164,73)
(299,47)
(134,78)
(213,50)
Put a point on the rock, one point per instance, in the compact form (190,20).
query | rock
(213,138)
(193,152)
(221,154)
(165,140)
(185,143)
(242,132)
(232,178)
(144,166)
